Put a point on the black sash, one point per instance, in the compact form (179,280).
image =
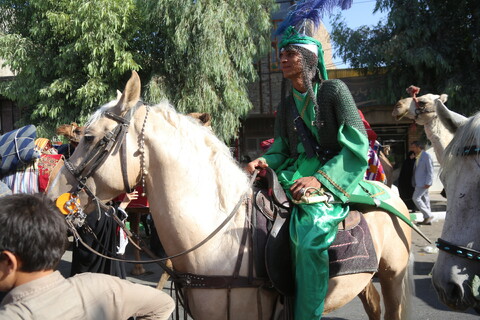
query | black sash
(312,148)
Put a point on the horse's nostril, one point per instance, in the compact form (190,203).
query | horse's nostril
(455,293)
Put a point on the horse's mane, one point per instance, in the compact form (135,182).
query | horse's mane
(228,174)
(100,111)
(466,136)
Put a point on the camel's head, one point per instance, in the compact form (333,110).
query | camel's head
(73,132)
(422,110)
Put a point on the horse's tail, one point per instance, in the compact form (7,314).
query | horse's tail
(408,290)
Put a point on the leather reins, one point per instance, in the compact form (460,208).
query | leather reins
(110,144)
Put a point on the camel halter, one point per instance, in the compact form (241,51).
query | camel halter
(419,109)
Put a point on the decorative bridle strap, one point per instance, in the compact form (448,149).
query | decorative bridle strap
(459,251)
(470,151)
(109,144)
(125,123)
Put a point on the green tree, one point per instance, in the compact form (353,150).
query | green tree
(70,56)
(433,44)
(67,56)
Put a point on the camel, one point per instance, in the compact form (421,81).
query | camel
(423,111)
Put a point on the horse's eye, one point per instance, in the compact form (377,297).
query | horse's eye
(89,138)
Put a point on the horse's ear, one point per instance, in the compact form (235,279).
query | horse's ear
(131,94)
(451,120)
(444,97)
(206,119)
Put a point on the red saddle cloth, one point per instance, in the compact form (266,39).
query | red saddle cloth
(141,202)
(46,163)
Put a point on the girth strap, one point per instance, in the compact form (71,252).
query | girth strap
(189,280)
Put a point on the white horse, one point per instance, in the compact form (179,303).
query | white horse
(193,184)
(459,260)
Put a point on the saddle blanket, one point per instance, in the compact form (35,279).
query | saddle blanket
(353,251)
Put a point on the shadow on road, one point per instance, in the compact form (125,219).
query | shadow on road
(422,268)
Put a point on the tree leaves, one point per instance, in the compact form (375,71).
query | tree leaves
(71,56)
(432,44)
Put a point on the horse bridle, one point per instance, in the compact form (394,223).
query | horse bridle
(449,247)
(458,251)
(112,142)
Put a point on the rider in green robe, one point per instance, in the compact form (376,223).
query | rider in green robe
(329,113)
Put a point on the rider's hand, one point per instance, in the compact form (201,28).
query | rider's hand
(298,188)
(255,164)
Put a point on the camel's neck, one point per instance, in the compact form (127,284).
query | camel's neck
(439,136)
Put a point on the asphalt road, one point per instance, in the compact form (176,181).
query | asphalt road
(425,304)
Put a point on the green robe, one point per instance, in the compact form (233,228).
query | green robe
(313,227)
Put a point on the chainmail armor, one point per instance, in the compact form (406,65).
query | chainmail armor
(335,107)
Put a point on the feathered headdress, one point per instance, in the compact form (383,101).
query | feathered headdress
(312,10)
(301,22)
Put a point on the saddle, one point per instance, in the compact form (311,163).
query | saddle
(271,236)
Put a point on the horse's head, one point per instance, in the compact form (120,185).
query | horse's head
(421,109)
(458,262)
(97,162)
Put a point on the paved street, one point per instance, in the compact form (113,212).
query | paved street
(425,304)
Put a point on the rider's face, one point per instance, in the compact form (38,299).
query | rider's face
(291,64)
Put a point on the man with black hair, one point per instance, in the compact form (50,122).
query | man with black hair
(33,238)
(320,146)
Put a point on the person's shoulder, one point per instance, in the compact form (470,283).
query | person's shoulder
(336,86)
(86,277)
(426,155)
(334,83)
(98,283)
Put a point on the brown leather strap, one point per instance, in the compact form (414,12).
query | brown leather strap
(190,280)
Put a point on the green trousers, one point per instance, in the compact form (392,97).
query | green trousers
(313,228)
